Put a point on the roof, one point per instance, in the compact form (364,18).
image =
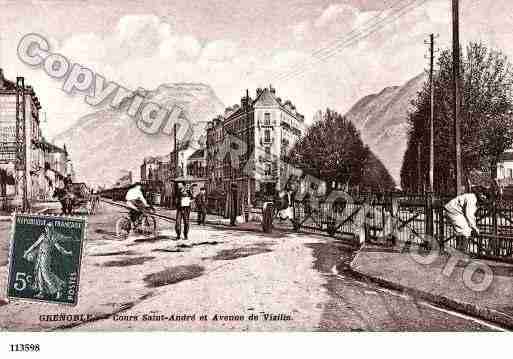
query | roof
(266,98)
(6,85)
(50,147)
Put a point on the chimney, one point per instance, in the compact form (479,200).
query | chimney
(272,89)
(244,102)
(1,78)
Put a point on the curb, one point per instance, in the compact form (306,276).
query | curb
(484,313)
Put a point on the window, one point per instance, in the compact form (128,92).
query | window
(267,136)
(510,171)
(267,169)
(267,119)
(267,152)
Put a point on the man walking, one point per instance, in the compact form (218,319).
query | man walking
(183,209)
(201,204)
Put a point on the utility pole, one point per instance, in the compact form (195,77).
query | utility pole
(432,114)
(21,142)
(176,150)
(419,168)
(456,91)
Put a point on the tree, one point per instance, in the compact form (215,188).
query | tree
(332,150)
(486,121)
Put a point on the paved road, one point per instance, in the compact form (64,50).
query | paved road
(289,281)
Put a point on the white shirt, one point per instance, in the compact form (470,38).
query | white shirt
(136,194)
(464,205)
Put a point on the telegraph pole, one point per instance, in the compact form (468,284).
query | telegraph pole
(176,150)
(21,142)
(456,91)
(432,114)
(419,168)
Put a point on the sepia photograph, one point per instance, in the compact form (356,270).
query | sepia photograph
(255,166)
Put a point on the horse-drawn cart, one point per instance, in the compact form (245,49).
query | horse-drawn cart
(76,196)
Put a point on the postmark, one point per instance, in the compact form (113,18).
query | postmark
(45,258)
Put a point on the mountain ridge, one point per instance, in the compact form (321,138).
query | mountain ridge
(382,119)
(106,142)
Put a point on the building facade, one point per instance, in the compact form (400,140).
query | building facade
(267,127)
(57,166)
(197,164)
(33,169)
(158,172)
(46,165)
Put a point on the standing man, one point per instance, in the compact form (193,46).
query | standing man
(201,204)
(183,209)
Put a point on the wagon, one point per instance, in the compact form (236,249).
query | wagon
(79,197)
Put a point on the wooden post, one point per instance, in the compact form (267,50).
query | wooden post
(495,241)
(429,216)
(419,169)
(432,115)
(456,92)
(441,228)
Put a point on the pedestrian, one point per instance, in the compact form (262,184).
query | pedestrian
(461,211)
(201,205)
(183,210)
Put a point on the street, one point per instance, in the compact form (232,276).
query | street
(231,279)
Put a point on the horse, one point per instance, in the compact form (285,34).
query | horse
(66,199)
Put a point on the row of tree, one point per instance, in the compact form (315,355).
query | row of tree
(486,120)
(332,150)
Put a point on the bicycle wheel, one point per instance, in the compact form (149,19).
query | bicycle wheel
(148,225)
(123,226)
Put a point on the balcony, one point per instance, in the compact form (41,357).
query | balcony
(265,123)
(266,141)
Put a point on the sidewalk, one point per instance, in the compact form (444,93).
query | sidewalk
(398,270)
(36,207)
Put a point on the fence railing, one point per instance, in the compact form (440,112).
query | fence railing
(408,218)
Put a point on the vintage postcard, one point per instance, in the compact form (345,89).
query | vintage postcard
(256,165)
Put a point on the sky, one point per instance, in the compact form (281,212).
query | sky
(318,54)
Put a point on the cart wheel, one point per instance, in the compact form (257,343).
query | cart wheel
(123,226)
(149,225)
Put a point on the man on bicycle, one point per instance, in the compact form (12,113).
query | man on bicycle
(461,211)
(136,201)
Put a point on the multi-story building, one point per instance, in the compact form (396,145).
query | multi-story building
(57,166)
(269,127)
(197,164)
(33,169)
(46,164)
(149,169)
(158,172)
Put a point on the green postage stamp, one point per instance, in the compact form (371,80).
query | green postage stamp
(45,258)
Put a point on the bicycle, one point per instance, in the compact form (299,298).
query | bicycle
(145,224)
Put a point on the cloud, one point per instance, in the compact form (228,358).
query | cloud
(337,13)
(219,51)
(181,48)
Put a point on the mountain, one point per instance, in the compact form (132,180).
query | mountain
(382,121)
(105,144)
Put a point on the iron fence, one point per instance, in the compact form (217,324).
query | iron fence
(410,218)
